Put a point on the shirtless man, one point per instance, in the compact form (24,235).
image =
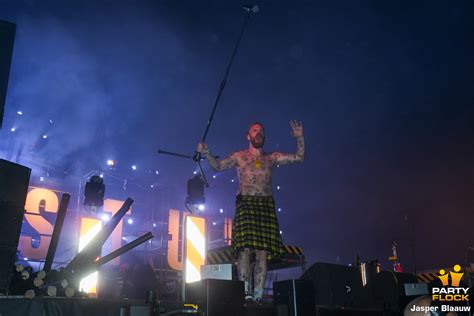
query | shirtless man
(255,226)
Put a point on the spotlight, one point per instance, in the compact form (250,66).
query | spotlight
(130,221)
(45,136)
(41,179)
(134,167)
(105,217)
(101,175)
(19,112)
(124,238)
(111,163)
(157,172)
(195,172)
(26,259)
(278,187)
(154,225)
(221,211)
(279,209)
(195,191)
(214,176)
(213,223)
(232,180)
(94,193)
(201,207)
(13,129)
(281,232)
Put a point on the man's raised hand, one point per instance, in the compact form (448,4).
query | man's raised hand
(296,128)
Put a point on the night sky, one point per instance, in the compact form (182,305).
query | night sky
(384,90)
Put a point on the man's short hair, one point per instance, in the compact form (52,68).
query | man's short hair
(255,123)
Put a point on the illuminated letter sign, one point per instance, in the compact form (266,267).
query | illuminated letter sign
(175,248)
(35,200)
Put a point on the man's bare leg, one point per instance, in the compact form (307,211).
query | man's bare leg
(260,273)
(243,267)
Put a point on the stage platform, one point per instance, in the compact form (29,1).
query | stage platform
(46,306)
(59,306)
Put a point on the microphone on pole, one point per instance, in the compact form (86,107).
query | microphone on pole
(251,8)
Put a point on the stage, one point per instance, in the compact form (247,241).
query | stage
(237,159)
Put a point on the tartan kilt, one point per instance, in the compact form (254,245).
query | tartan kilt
(255,225)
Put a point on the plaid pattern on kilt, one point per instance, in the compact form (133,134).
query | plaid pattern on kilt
(255,225)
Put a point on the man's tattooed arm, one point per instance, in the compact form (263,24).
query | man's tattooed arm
(284,158)
(223,164)
(297,132)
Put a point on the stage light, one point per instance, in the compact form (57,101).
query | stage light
(214,176)
(221,211)
(134,167)
(278,187)
(94,193)
(279,209)
(89,228)
(41,179)
(13,129)
(105,217)
(281,232)
(101,175)
(195,190)
(213,223)
(232,180)
(195,172)
(154,225)
(201,207)
(130,221)
(124,238)
(19,112)
(45,136)
(157,172)
(26,259)
(111,163)
(152,186)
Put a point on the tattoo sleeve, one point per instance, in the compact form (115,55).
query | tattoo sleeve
(219,165)
(284,158)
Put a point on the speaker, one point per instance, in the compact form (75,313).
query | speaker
(294,297)
(217,297)
(7,37)
(14,180)
(391,289)
(339,286)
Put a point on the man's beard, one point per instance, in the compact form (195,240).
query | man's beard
(258,141)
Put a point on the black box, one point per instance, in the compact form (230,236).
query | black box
(294,297)
(217,297)
(14,181)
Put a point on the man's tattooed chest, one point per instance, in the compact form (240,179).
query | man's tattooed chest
(255,173)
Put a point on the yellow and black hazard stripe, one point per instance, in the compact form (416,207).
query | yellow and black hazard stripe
(226,254)
(293,250)
(427,277)
(220,256)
